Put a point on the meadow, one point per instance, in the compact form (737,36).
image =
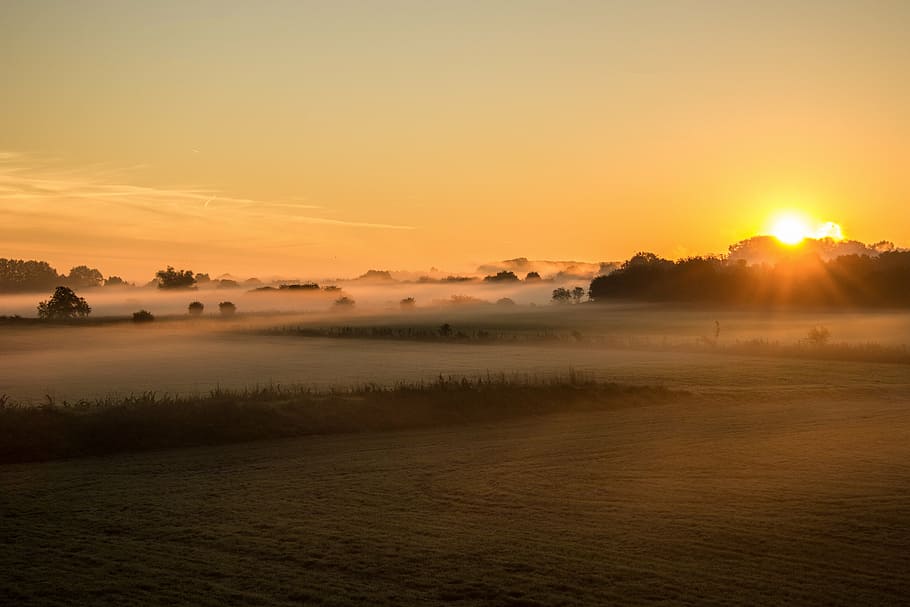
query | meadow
(577,455)
(796,499)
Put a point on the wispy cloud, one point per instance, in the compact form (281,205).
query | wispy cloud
(28,187)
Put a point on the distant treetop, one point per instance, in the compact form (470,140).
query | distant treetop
(503,276)
(175,279)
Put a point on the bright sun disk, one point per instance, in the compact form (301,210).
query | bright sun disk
(790,230)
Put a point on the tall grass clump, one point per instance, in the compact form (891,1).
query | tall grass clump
(150,420)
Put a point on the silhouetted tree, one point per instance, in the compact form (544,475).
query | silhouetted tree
(578,293)
(408,303)
(803,279)
(63,304)
(84,277)
(196,308)
(503,276)
(561,296)
(818,336)
(202,278)
(143,316)
(532,276)
(175,279)
(19,276)
(227,308)
(446,330)
(505,301)
(115,281)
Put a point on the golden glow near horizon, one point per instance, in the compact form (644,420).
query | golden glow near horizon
(791,228)
(327,138)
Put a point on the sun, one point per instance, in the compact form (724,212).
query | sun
(790,229)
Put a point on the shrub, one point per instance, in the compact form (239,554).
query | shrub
(343,303)
(143,316)
(227,308)
(818,336)
(196,308)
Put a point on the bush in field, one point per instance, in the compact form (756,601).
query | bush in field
(818,336)
(227,308)
(143,316)
(343,303)
(532,276)
(408,303)
(196,308)
(561,296)
(64,304)
(505,301)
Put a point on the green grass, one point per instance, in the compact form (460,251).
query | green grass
(153,421)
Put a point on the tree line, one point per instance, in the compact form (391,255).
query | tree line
(849,280)
(28,276)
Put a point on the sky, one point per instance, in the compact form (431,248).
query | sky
(326,138)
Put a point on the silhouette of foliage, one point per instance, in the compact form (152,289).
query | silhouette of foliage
(561,296)
(376,275)
(408,303)
(532,276)
(505,301)
(503,276)
(227,308)
(20,276)
(115,281)
(143,316)
(807,280)
(343,302)
(64,304)
(196,308)
(818,336)
(175,279)
(84,277)
(578,293)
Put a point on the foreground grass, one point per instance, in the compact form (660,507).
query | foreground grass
(151,421)
(798,500)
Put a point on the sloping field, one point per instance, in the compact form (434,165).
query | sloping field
(795,499)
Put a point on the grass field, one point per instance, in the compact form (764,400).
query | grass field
(733,501)
(772,480)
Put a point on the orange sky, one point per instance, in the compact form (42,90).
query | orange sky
(325,138)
